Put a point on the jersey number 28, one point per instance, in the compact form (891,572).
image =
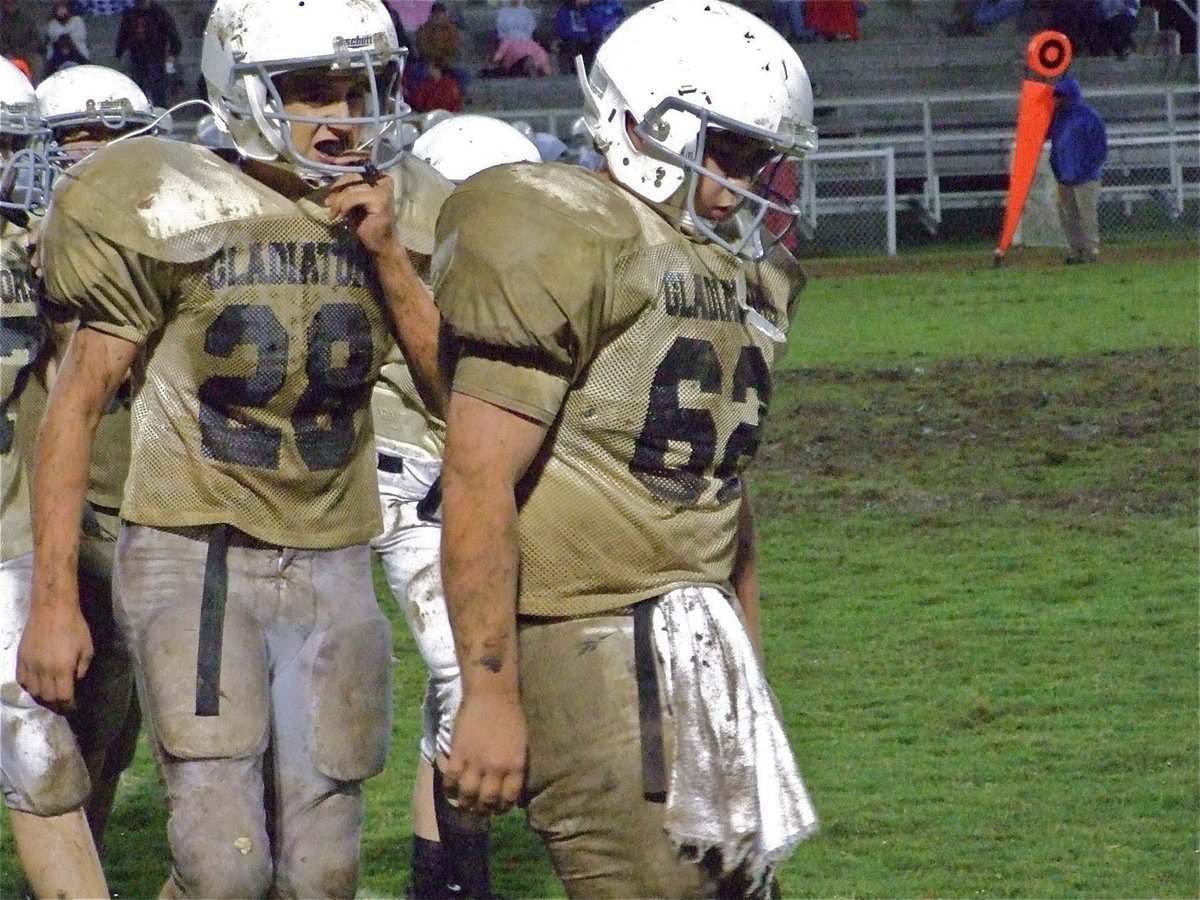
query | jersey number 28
(323,418)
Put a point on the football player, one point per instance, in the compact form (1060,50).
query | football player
(614,341)
(86,107)
(42,769)
(447,850)
(256,303)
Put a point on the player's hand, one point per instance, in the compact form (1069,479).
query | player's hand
(486,769)
(368,207)
(55,651)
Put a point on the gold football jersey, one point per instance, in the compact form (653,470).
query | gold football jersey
(575,303)
(20,334)
(261,334)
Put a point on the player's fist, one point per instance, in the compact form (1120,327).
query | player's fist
(367,205)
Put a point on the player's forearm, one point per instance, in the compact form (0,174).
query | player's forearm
(480,562)
(416,322)
(81,391)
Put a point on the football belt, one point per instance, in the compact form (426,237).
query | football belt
(212,621)
(654,769)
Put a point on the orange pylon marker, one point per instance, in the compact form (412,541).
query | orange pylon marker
(1048,56)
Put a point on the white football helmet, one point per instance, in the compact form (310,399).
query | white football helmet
(88,96)
(25,171)
(460,146)
(717,68)
(248,44)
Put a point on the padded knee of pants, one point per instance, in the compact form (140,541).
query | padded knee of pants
(41,769)
(236,870)
(352,699)
(169,651)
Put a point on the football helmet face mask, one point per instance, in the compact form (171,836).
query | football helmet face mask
(87,106)
(250,45)
(25,172)
(459,147)
(728,73)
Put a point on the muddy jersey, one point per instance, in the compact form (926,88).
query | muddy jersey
(260,331)
(20,335)
(576,304)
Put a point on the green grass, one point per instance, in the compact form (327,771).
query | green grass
(977,499)
(961,306)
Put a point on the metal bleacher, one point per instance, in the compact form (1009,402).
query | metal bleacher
(944,109)
(941,108)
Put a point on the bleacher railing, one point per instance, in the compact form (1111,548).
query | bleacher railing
(915,155)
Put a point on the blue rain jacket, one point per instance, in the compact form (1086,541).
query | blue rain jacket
(1078,140)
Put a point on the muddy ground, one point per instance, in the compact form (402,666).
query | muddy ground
(1094,435)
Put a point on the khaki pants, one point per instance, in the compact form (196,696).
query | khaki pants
(266,796)
(1078,210)
(584,786)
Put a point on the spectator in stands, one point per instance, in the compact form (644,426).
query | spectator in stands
(401,32)
(976,16)
(439,89)
(66,39)
(148,32)
(1118,18)
(1078,149)
(1079,20)
(603,17)
(439,40)
(835,20)
(518,53)
(20,38)
(572,37)
(788,18)
(413,13)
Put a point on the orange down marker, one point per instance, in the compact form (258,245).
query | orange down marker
(1048,56)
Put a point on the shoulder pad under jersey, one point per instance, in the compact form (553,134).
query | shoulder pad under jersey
(576,195)
(163,199)
(420,191)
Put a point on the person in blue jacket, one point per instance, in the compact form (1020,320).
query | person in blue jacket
(1078,149)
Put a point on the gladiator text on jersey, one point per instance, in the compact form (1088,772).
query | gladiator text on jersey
(287,262)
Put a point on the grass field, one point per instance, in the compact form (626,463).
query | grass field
(978,505)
